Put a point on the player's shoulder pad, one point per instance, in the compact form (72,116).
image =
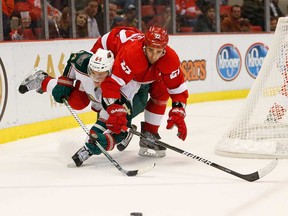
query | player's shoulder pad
(134,57)
(171,57)
(80,60)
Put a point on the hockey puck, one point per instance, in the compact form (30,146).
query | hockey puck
(136,214)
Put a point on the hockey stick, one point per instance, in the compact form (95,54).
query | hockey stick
(123,171)
(248,177)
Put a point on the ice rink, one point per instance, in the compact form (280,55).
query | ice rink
(35,181)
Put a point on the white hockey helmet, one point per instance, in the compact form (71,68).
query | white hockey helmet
(101,61)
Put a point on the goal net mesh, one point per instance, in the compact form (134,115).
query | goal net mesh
(261,128)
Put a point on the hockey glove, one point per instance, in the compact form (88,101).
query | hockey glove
(105,140)
(63,89)
(176,117)
(117,120)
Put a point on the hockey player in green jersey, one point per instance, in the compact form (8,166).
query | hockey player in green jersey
(80,84)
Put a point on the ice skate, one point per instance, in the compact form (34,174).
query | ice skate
(81,155)
(33,82)
(149,148)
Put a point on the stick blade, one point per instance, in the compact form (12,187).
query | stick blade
(271,166)
(262,172)
(140,171)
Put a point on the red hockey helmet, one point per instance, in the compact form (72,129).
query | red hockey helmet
(156,37)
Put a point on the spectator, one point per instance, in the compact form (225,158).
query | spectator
(234,22)
(24,31)
(60,28)
(253,10)
(53,13)
(275,11)
(81,24)
(112,12)
(118,21)
(59,4)
(14,24)
(130,16)
(162,20)
(100,19)
(123,4)
(131,19)
(147,2)
(79,4)
(162,2)
(100,16)
(223,2)
(168,22)
(91,9)
(7,10)
(35,13)
(206,22)
(187,12)
(273,23)
(203,3)
(64,23)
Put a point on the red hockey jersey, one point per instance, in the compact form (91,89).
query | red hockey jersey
(131,64)
(116,38)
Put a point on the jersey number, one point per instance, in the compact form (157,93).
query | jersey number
(125,67)
(174,74)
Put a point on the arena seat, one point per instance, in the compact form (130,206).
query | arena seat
(256,29)
(147,11)
(159,9)
(186,29)
(225,10)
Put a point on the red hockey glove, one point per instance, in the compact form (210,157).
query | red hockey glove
(176,117)
(117,120)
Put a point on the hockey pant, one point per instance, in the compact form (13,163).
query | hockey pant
(156,106)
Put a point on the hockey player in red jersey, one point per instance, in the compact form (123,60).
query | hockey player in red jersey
(146,59)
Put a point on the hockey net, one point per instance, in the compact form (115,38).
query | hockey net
(261,128)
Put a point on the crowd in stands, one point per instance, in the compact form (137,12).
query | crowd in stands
(235,22)
(23,19)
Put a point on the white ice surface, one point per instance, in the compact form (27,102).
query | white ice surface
(35,181)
